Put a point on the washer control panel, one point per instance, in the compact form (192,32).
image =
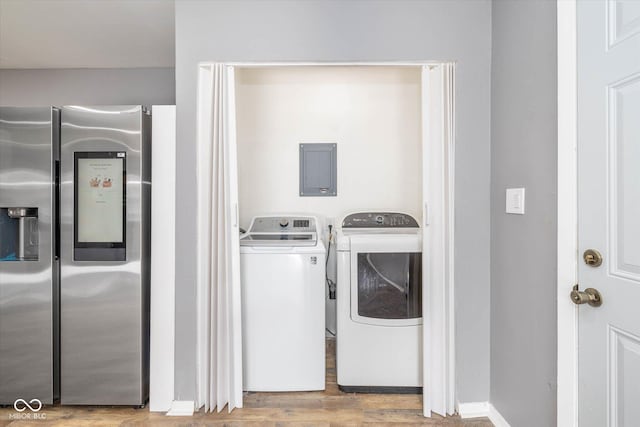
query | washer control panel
(276,224)
(379,220)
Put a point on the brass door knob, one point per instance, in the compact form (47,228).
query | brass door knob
(589,296)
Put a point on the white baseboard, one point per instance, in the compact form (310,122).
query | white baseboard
(181,408)
(496,418)
(482,409)
(473,409)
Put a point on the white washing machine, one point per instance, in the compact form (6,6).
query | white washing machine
(282,262)
(379,303)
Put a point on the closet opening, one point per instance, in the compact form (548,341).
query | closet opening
(384,224)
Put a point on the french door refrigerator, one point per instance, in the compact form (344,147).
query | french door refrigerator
(102,300)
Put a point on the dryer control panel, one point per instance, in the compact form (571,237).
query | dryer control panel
(379,220)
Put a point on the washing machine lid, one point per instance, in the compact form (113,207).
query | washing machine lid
(281,230)
(279,239)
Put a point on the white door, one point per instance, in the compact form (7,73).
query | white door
(438,138)
(609,211)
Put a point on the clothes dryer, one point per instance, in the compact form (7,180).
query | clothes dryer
(379,303)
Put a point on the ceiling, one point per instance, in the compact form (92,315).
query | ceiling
(87,33)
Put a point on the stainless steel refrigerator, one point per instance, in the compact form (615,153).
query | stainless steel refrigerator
(102,300)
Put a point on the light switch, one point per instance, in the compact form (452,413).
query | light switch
(515,201)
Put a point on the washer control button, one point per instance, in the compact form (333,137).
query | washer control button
(284,222)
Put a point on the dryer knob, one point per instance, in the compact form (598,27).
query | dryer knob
(284,223)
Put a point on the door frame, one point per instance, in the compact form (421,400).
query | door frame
(441,393)
(567,215)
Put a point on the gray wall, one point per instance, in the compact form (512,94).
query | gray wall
(104,86)
(318,30)
(523,247)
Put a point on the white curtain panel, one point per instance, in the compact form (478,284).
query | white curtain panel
(438,93)
(219,352)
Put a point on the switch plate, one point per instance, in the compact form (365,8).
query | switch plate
(515,201)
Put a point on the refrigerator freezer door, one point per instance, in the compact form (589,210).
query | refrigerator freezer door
(28,274)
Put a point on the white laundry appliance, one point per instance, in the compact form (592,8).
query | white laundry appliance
(282,261)
(379,303)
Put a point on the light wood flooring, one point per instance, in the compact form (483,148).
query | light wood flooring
(327,408)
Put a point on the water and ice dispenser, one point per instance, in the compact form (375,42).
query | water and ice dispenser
(19,234)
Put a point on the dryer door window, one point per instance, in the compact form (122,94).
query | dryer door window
(389,285)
